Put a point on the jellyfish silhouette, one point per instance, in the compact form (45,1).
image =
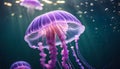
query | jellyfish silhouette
(20,65)
(31,5)
(55,28)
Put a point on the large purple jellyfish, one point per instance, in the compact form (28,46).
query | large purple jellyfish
(20,65)
(53,29)
(31,5)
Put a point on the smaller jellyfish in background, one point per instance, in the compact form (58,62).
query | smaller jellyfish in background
(20,65)
(31,5)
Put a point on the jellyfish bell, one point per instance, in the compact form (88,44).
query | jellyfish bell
(31,5)
(20,65)
(37,29)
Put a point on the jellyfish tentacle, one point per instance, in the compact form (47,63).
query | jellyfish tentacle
(64,52)
(53,54)
(76,58)
(72,66)
(30,10)
(42,54)
(59,64)
(52,48)
(79,54)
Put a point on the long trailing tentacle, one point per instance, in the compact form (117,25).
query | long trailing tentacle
(70,64)
(52,48)
(50,36)
(79,54)
(42,54)
(59,64)
(64,52)
(76,58)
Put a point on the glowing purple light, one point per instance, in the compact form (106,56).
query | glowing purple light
(53,29)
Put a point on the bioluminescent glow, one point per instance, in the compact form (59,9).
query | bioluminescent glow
(31,5)
(20,65)
(53,29)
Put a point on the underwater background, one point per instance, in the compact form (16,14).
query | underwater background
(99,44)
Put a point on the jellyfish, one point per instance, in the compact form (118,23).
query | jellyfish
(20,65)
(31,5)
(52,29)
